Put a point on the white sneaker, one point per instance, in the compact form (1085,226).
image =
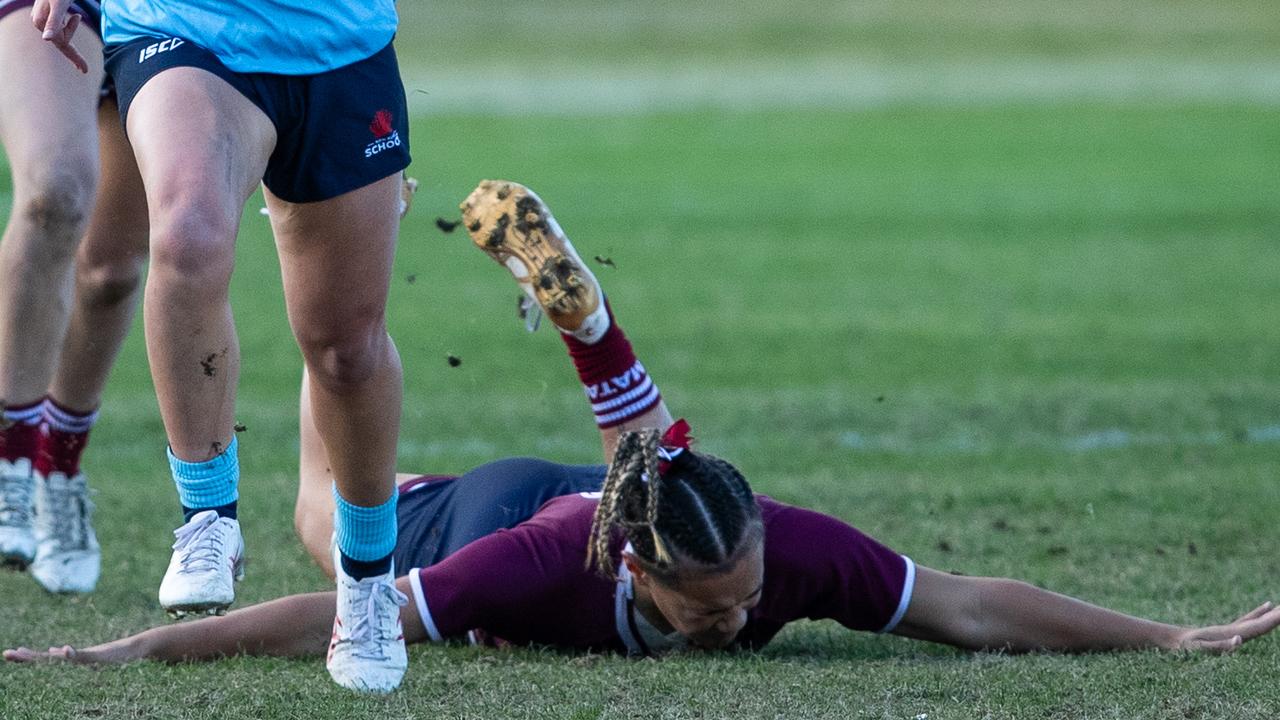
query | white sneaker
(17,534)
(366,650)
(68,559)
(208,556)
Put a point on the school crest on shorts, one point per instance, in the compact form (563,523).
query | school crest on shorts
(385,135)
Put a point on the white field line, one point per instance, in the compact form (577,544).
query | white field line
(837,83)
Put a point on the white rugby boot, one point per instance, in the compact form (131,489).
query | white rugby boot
(513,226)
(17,531)
(208,556)
(366,650)
(68,559)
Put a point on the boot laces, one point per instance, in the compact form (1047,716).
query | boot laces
(200,543)
(371,628)
(67,512)
(15,501)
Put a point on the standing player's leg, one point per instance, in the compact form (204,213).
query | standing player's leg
(513,226)
(336,258)
(48,129)
(201,149)
(108,278)
(314,508)
(108,275)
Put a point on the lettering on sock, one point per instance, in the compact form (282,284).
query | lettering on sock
(619,383)
(623,397)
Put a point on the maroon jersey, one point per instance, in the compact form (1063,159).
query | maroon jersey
(530,584)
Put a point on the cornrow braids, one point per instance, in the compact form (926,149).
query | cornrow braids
(701,512)
(625,501)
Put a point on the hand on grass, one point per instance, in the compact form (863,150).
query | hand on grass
(56,24)
(66,653)
(109,653)
(1219,639)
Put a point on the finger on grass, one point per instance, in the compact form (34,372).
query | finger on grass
(1256,612)
(21,655)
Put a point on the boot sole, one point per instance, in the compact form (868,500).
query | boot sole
(506,220)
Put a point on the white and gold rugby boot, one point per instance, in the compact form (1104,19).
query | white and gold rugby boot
(513,226)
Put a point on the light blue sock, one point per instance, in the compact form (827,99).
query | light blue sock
(210,484)
(365,534)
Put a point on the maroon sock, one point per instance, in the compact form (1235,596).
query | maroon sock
(20,437)
(616,383)
(66,432)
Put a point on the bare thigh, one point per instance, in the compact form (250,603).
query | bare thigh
(48,109)
(201,148)
(336,255)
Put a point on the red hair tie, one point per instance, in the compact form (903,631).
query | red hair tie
(674,441)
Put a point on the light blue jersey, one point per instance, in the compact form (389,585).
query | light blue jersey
(284,37)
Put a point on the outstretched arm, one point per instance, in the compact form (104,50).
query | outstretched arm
(297,625)
(293,625)
(1001,614)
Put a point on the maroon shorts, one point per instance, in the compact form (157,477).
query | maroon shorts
(90,11)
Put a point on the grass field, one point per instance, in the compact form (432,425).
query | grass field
(998,284)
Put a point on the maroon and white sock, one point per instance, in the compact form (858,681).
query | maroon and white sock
(616,383)
(66,432)
(20,437)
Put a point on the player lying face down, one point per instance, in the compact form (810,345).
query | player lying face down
(667,549)
(696,559)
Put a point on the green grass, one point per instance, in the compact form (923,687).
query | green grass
(667,32)
(1015,338)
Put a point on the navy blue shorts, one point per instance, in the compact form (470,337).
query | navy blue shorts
(438,516)
(335,132)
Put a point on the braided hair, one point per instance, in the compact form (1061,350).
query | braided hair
(699,512)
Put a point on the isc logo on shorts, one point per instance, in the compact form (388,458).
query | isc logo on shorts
(159,47)
(386,135)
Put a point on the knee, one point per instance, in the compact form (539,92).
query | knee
(305,521)
(57,206)
(193,251)
(108,284)
(314,527)
(341,356)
